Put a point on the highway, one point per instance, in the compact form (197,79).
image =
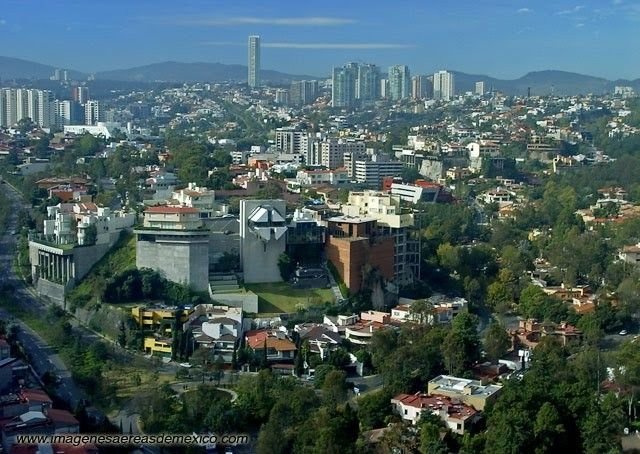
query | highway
(41,356)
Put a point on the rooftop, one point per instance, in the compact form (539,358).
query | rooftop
(171,210)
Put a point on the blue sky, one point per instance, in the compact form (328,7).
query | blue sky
(501,38)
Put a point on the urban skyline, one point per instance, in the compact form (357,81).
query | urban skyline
(583,38)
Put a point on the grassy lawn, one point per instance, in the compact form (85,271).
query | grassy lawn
(281,297)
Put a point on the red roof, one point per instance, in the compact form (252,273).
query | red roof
(171,210)
(62,418)
(36,395)
(453,408)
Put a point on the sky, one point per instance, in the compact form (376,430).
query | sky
(499,38)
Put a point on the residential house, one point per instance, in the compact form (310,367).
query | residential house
(630,254)
(458,417)
(279,347)
(218,328)
(321,338)
(158,345)
(37,422)
(530,332)
(472,392)
(361,332)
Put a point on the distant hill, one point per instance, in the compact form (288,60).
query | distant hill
(171,71)
(540,82)
(543,83)
(16,68)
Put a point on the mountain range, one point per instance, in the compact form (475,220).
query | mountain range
(540,82)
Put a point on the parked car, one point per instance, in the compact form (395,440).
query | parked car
(623,332)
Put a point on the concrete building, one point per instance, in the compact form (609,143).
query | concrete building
(173,242)
(374,169)
(291,140)
(353,245)
(399,82)
(471,392)
(253,77)
(422,191)
(263,238)
(443,86)
(480,89)
(343,88)
(332,151)
(105,129)
(391,223)
(282,97)
(92,113)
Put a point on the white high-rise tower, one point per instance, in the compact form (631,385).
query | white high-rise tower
(254,62)
(443,86)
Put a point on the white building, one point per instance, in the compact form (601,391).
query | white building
(413,193)
(20,103)
(443,86)
(457,416)
(202,199)
(480,90)
(218,328)
(372,171)
(105,129)
(92,113)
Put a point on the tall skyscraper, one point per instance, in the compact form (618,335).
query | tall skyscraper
(384,88)
(46,113)
(10,115)
(21,103)
(92,114)
(303,92)
(480,88)
(368,83)
(421,87)
(254,61)
(343,88)
(399,82)
(443,86)
(80,94)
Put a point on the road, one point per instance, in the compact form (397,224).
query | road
(41,356)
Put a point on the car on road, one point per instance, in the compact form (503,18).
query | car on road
(623,332)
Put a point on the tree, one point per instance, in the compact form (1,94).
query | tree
(122,334)
(461,347)
(496,342)
(286,266)
(430,427)
(547,427)
(421,311)
(373,408)
(218,369)
(334,388)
